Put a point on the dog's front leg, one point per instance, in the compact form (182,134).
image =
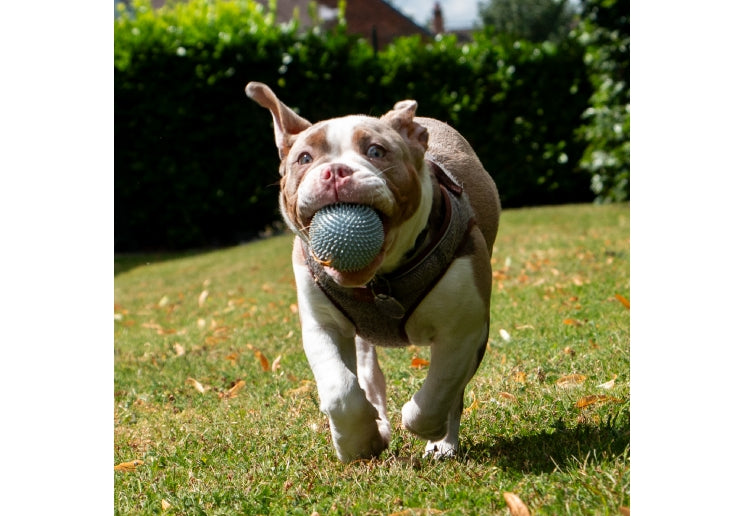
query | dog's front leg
(329,343)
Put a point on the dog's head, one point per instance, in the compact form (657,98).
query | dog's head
(378,162)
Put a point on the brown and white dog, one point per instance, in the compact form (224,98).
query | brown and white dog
(429,285)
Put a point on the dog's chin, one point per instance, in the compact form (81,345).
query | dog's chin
(360,278)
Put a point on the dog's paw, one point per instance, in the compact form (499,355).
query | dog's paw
(440,449)
(361,446)
(425,426)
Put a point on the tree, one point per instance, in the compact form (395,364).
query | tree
(605,34)
(533,20)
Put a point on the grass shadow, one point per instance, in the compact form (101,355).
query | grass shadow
(127,261)
(543,452)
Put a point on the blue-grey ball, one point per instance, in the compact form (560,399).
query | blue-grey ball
(345,236)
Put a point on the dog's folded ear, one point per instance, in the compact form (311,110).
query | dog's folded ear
(287,123)
(401,118)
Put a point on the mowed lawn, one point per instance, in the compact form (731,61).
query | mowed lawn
(216,412)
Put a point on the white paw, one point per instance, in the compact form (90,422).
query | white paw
(424,426)
(440,449)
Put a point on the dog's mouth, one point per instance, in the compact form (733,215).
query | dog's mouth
(357,276)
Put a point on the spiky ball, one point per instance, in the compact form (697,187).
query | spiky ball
(346,236)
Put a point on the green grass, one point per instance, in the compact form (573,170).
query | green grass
(267,449)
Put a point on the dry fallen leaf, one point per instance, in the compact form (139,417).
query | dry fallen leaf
(590,400)
(623,300)
(179,349)
(203,298)
(608,384)
(164,504)
(198,386)
(572,322)
(263,360)
(302,389)
(507,397)
(233,391)
(516,505)
(276,364)
(419,363)
(504,335)
(520,377)
(625,511)
(569,351)
(473,406)
(571,380)
(416,511)
(128,467)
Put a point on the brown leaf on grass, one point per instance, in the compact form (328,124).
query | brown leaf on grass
(302,389)
(265,366)
(623,300)
(569,351)
(516,505)
(504,335)
(520,377)
(507,397)
(572,322)
(213,341)
(419,363)
(203,298)
(179,349)
(128,467)
(194,383)
(416,511)
(625,511)
(473,406)
(233,357)
(164,504)
(499,275)
(591,400)
(570,380)
(233,391)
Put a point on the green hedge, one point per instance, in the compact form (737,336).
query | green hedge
(195,163)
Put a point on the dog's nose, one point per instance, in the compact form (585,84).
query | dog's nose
(335,171)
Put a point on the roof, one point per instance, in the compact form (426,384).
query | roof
(367,18)
(363,17)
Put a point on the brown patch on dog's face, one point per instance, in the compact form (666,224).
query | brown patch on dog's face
(386,170)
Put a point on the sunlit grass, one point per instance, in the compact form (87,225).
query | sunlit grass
(265,448)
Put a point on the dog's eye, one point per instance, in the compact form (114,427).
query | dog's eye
(375,151)
(305,159)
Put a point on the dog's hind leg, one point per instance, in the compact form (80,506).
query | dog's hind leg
(448,446)
(372,381)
